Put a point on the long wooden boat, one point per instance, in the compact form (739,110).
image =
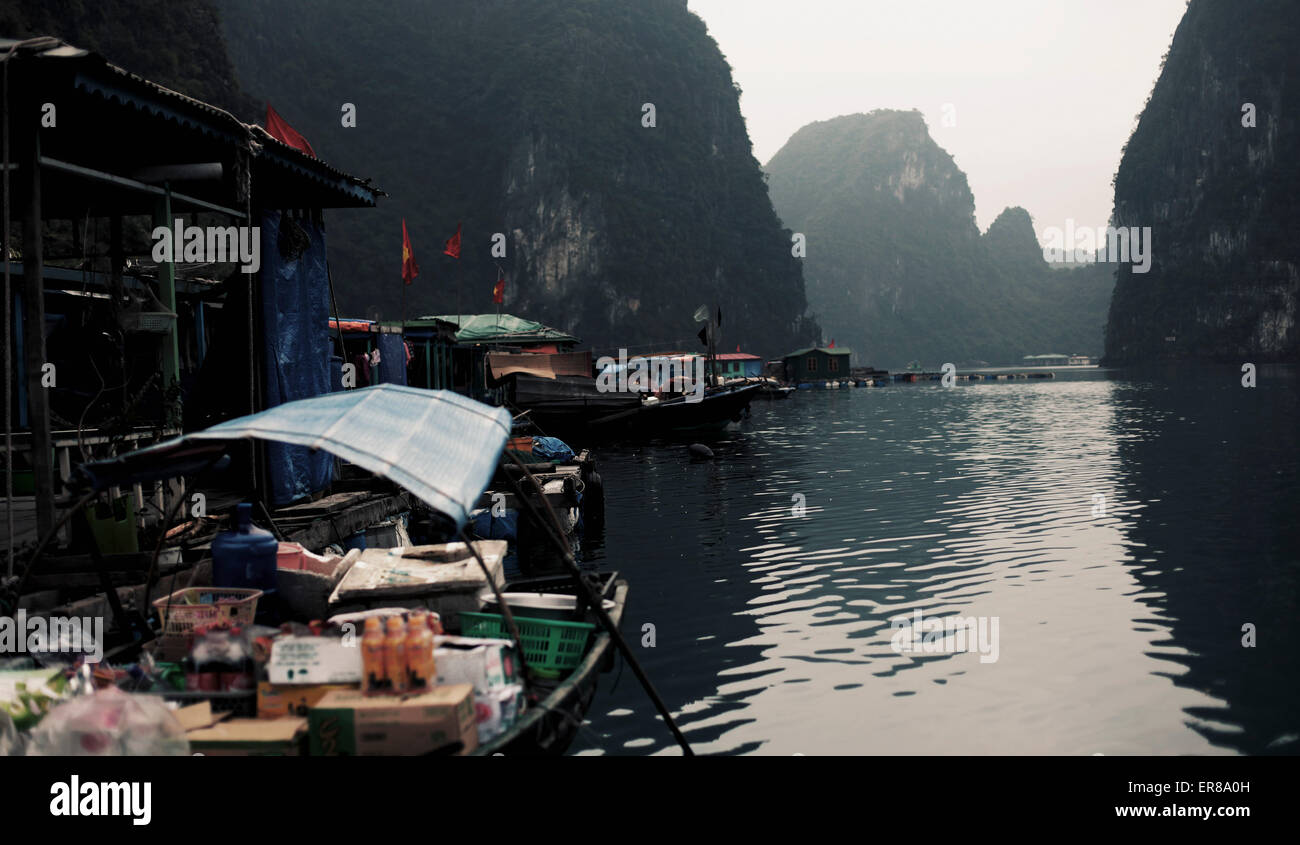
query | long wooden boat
(718,408)
(550,725)
(566,403)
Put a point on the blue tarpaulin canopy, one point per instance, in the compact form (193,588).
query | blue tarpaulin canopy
(439,445)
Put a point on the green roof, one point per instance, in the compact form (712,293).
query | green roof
(506,328)
(836,351)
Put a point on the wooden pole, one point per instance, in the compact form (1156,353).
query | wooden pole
(167,293)
(551,526)
(9,315)
(38,400)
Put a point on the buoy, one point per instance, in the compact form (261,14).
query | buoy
(699,450)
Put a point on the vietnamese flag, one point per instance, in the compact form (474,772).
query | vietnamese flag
(286,134)
(832,346)
(453,244)
(409,268)
(499,289)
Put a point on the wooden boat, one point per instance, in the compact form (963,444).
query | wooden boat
(771,389)
(566,403)
(446,465)
(550,725)
(718,408)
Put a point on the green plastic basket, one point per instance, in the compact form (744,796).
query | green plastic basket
(552,647)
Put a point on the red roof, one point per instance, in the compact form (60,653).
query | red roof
(737,356)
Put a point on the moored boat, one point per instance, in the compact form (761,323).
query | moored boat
(714,411)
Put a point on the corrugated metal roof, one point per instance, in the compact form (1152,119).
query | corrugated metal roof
(836,351)
(96,75)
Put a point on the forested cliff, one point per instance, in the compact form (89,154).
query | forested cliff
(1214,168)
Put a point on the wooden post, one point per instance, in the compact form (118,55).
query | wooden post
(38,400)
(167,290)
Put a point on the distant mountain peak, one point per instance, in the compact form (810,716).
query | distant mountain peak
(896,264)
(1011,237)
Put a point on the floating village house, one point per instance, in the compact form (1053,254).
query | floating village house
(479,335)
(739,365)
(817,363)
(111,351)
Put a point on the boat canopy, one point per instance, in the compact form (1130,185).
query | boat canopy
(504,364)
(502,328)
(439,445)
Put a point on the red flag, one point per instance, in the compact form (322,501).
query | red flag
(283,132)
(409,268)
(453,244)
(737,347)
(832,346)
(499,289)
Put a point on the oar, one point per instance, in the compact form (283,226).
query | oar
(597,605)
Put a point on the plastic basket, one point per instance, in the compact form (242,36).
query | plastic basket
(196,606)
(552,647)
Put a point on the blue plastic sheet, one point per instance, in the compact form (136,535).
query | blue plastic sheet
(295,338)
(551,449)
(439,445)
(392,358)
(489,527)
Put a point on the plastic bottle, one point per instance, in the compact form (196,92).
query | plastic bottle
(395,655)
(374,677)
(220,663)
(420,669)
(239,676)
(190,663)
(245,557)
(209,656)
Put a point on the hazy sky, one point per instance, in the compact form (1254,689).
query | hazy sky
(1045,92)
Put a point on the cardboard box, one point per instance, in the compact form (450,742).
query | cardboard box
(250,738)
(275,701)
(315,660)
(485,664)
(197,716)
(351,723)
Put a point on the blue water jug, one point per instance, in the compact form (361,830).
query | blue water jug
(245,557)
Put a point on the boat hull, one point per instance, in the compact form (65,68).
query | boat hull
(714,412)
(550,726)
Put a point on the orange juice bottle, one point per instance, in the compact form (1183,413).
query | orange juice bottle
(420,673)
(374,676)
(395,655)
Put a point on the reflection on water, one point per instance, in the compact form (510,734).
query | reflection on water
(1121,529)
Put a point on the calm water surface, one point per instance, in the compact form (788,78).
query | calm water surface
(1120,633)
